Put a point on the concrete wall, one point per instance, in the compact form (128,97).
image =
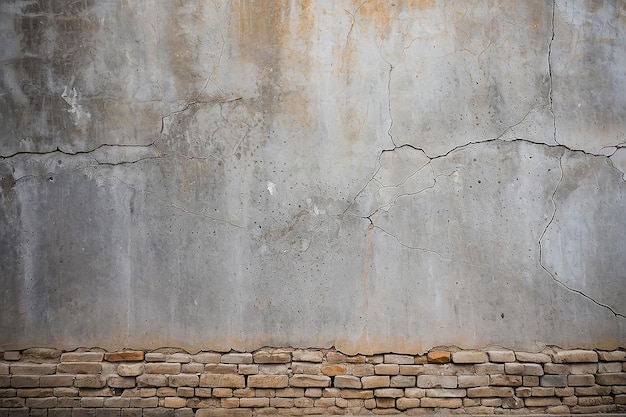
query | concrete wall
(375,176)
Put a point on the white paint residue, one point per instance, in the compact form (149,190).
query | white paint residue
(271,187)
(71,98)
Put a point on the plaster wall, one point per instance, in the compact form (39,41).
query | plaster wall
(370,175)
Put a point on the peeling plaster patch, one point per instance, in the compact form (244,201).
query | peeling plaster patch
(81,117)
(271,187)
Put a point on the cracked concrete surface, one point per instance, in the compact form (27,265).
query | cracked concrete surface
(367,175)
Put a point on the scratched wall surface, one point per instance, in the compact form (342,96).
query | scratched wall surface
(372,175)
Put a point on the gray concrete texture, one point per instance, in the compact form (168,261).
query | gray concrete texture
(372,175)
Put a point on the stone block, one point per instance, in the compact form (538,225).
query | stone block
(288,392)
(236,358)
(532,357)
(174,402)
(222,392)
(541,401)
(309,381)
(41,355)
(469,357)
(406,403)
(268,381)
(592,391)
(324,402)
(222,380)
(117,402)
(223,368)
(280,402)
(178,357)
(163,368)
(415,392)
(184,412)
(611,356)
(438,357)
(34,392)
(79,368)
(574,356)
(158,412)
(332,370)
(271,356)
(500,380)
(583,368)
(532,369)
(581,380)
(470,381)
(306,355)
(124,356)
(446,393)
(385,402)
(523,391)
(95,392)
(436,381)
(56,381)
(131,412)
(254,402)
(530,381)
(501,356)
(514,368)
(24,381)
(303,402)
(12,402)
(555,369)
(378,381)
(564,392)
(90,381)
(65,392)
(207,357)
(33,369)
(184,380)
(386,369)
(247,369)
(411,369)
(399,359)
(389,392)
(313,392)
(120,382)
(272,392)
(543,391)
(297,368)
(12,355)
(491,402)
(82,357)
(618,378)
(428,402)
(154,357)
(360,369)
(489,368)
(480,392)
(553,381)
(220,412)
(403,381)
(357,393)
(337,357)
(134,369)
(47,402)
(609,367)
(347,381)
(512,403)
(151,380)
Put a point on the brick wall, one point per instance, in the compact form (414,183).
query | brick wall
(49,382)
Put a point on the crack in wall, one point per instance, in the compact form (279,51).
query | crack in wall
(551,102)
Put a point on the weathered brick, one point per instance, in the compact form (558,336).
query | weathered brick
(108,413)
(313,392)
(357,393)
(308,355)
(154,357)
(445,393)
(532,369)
(523,391)
(428,402)
(514,368)
(332,370)
(532,357)
(163,368)
(436,381)
(174,402)
(386,369)
(399,359)
(378,381)
(222,368)
(614,355)
(581,380)
(183,380)
(297,368)
(593,390)
(185,392)
(12,403)
(8,392)
(236,358)
(543,391)
(512,403)
(90,381)
(56,381)
(309,381)
(403,381)
(389,392)
(489,368)
(120,382)
(564,392)
(24,381)
(411,369)
(95,392)
(5,381)
(324,402)
(438,357)
(347,381)
(336,357)
(79,368)
(406,403)
(574,356)
(207,357)
(541,401)
(254,402)
(178,357)
(247,369)
(470,381)
(385,403)
(272,356)
(41,355)
(530,381)
(360,369)
(501,356)
(82,357)
(147,402)
(33,369)
(469,357)
(553,381)
(117,402)
(593,409)
(124,356)
(134,369)
(555,368)
(47,402)
(222,380)
(505,380)
(289,392)
(491,402)
(583,368)
(219,412)
(12,355)
(620,399)
(609,367)
(490,392)
(151,380)
(268,381)
(272,392)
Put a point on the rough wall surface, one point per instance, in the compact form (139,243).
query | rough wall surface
(370,175)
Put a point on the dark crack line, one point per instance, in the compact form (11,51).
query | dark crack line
(540,243)
(550,100)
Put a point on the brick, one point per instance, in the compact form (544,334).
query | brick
(333,370)
(132,412)
(501,356)
(620,399)
(469,357)
(586,401)
(564,392)
(184,380)
(553,381)
(378,381)
(530,381)
(8,392)
(65,392)
(33,369)
(581,380)
(124,356)
(427,402)
(523,391)
(303,402)
(297,368)
(411,369)
(574,356)
(512,403)
(618,389)
(491,402)
(336,357)
(154,357)
(357,394)
(207,357)
(254,402)
(34,392)
(247,369)
(324,402)
(158,412)
(236,358)
(82,357)
(48,402)
(438,357)
(514,368)
(178,358)
(194,368)
(386,369)
(56,381)
(609,367)
(583,368)
(569,401)
(120,382)
(406,403)
(593,409)
(186,392)
(134,369)
(289,392)
(308,355)
(347,381)
(272,392)
(489,368)
(152,380)
(222,380)
(309,381)
(116,402)
(313,392)
(480,392)
(445,393)
(554,368)
(281,402)
(12,355)
(271,356)
(79,368)
(403,381)
(532,357)
(163,368)
(90,381)
(360,369)
(541,401)
(532,369)
(610,356)
(174,402)
(505,380)
(108,413)
(399,359)
(543,391)
(95,392)
(4,369)
(148,402)
(385,403)
(389,392)
(222,368)
(41,355)
(218,412)
(470,381)
(12,402)
(611,379)
(24,381)
(591,391)
(202,392)
(436,381)
(268,381)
